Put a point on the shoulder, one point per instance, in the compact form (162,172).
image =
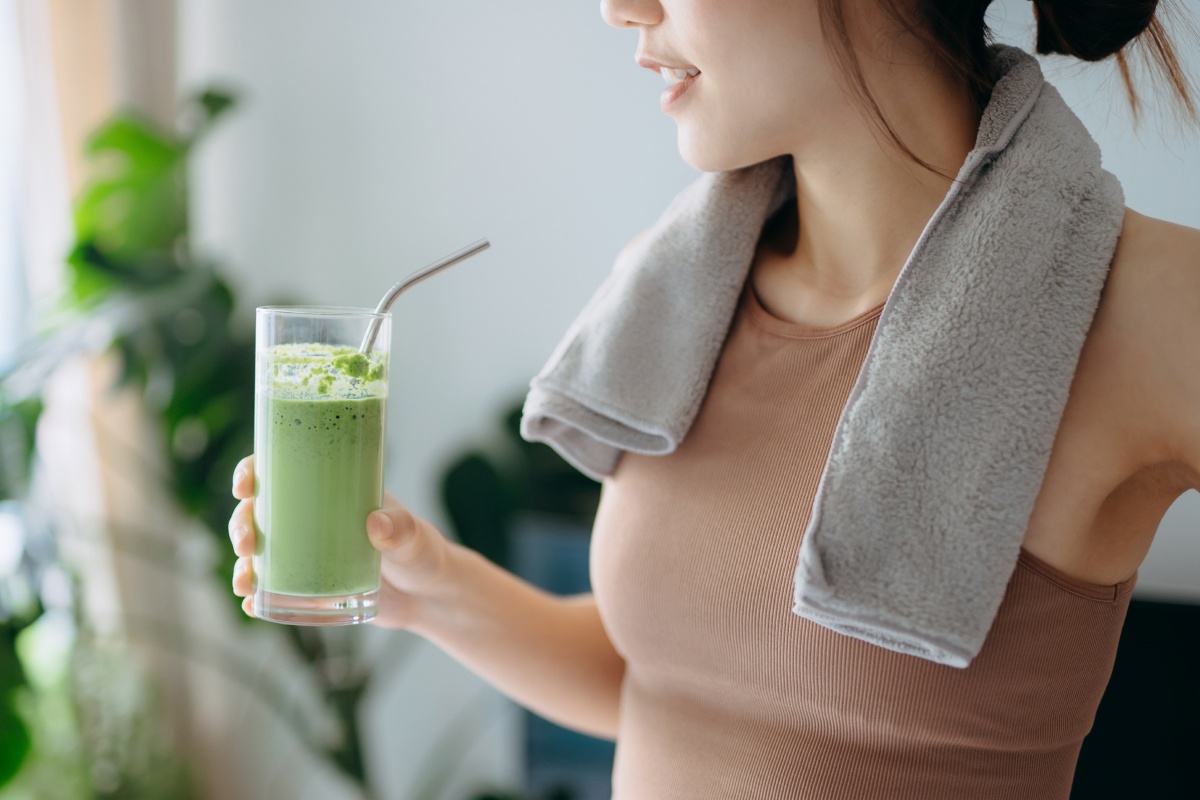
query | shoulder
(1149,324)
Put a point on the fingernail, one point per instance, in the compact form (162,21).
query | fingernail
(239,475)
(379,525)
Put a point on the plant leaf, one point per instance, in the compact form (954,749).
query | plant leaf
(18,427)
(215,103)
(138,205)
(480,506)
(14,742)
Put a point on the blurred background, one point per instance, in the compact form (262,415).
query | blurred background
(168,165)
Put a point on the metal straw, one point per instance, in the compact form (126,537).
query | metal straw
(418,276)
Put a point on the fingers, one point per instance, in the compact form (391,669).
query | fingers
(243,579)
(243,478)
(394,530)
(241,528)
(413,549)
(241,532)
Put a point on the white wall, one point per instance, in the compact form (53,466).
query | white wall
(376,136)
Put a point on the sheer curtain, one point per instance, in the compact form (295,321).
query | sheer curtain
(43,187)
(13,294)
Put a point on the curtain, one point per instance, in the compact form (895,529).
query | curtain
(12,284)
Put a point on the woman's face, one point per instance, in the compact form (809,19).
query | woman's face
(767,84)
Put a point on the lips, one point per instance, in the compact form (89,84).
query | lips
(671,95)
(657,66)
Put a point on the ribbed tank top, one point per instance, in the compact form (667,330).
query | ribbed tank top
(728,694)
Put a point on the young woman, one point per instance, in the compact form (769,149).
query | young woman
(686,653)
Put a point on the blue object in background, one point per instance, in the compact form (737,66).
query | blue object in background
(551,552)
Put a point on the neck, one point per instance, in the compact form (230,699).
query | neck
(861,204)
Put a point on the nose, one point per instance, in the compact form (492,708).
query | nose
(627,13)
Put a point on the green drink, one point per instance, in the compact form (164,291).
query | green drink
(319,423)
(325,472)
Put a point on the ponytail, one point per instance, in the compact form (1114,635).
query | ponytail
(1093,30)
(958,35)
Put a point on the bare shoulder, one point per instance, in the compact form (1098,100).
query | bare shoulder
(1148,327)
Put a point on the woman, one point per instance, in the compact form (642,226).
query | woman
(686,653)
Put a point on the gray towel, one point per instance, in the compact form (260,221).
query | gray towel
(942,446)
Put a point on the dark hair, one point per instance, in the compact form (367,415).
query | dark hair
(955,30)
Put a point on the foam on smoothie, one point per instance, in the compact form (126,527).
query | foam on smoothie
(322,371)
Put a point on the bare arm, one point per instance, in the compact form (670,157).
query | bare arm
(550,654)
(1156,273)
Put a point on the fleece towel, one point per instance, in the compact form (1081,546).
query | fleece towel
(941,448)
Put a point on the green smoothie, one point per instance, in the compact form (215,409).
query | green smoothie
(319,462)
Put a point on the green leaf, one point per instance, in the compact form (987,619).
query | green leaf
(139,211)
(14,742)
(94,273)
(14,738)
(215,103)
(87,284)
(18,428)
(136,138)
(11,674)
(479,505)
(546,481)
(138,204)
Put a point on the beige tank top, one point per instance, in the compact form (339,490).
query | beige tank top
(728,694)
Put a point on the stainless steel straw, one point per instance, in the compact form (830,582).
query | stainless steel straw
(418,276)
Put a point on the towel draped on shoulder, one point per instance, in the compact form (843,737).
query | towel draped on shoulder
(941,448)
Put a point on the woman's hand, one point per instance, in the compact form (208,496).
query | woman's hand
(415,556)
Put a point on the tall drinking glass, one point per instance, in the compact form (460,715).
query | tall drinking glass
(318,463)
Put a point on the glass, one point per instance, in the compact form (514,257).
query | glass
(318,463)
